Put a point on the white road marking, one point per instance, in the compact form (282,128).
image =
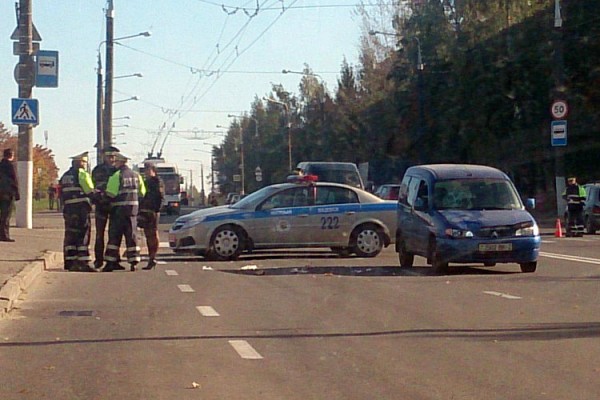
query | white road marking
(207,311)
(570,258)
(161,262)
(244,349)
(171,272)
(503,295)
(185,288)
(163,244)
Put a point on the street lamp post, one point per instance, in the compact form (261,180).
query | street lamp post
(288,124)
(108,87)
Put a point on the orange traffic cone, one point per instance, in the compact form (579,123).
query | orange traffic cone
(558,231)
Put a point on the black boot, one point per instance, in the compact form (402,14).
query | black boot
(151,264)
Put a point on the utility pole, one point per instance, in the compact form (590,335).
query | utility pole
(558,93)
(25,79)
(99,113)
(108,96)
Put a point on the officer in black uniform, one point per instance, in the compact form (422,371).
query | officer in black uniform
(77,188)
(100,175)
(125,187)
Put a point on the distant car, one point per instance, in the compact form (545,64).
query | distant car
(388,191)
(591,209)
(230,196)
(339,172)
(289,215)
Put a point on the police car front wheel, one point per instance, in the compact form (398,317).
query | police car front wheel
(225,244)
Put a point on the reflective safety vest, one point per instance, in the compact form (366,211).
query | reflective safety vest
(125,187)
(76,184)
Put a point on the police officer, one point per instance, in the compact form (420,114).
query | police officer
(77,188)
(150,211)
(100,175)
(575,195)
(124,187)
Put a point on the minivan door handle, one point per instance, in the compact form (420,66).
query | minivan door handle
(350,212)
(302,215)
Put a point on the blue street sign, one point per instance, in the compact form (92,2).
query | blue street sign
(46,69)
(25,112)
(558,131)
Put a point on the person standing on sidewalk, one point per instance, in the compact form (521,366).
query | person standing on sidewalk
(100,175)
(77,188)
(149,213)
(51,196)
(125,187)
(9,193)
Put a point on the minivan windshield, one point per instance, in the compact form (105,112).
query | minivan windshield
(475,194)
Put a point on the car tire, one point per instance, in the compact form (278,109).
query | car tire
(405,258)
(589,227)
(437,263)
(367,240)
(226,244)
(528,266)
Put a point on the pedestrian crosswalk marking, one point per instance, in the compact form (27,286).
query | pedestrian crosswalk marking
(207,311)
(171,272)
(185,288)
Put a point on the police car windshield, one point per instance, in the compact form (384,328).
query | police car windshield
(475,194)
(253,198)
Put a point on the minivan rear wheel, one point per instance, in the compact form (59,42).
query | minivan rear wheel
(439,265)
(405,258)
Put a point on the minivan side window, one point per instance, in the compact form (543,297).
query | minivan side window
(403,192)
(413,189)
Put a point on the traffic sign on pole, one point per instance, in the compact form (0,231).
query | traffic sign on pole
(559,109)
(25,112)
(558,130)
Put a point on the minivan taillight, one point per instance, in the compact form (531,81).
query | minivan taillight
(596,210)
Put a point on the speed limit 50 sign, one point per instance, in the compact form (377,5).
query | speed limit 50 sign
(559,109)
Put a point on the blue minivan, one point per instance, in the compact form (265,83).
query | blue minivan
(463,213)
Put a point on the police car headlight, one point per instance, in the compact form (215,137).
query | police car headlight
(193,221)
(458,233)
(528,229)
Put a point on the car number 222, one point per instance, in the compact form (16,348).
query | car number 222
(330,223)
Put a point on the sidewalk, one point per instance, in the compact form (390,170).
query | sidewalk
(33,251)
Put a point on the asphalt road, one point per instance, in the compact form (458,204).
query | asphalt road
(311,325)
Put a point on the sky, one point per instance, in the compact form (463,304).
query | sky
(204,60)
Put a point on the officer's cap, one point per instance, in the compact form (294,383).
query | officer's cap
(110,150)
(120,157)
(81,157)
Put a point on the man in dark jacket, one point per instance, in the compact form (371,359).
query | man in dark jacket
(77,188)
(100,175)
(9,193)
(125,187)
(149,213)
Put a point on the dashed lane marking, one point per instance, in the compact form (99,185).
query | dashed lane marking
(503,295)
(185,288)
(171,272)
(207,311)
(244,349)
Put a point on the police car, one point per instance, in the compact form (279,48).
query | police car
(303,213)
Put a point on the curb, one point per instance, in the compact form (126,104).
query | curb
(19,283)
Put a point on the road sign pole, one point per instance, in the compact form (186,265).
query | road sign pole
(25,139)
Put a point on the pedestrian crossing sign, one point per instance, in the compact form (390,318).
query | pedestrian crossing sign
(25,112)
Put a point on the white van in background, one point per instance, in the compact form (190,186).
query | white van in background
(337,172)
